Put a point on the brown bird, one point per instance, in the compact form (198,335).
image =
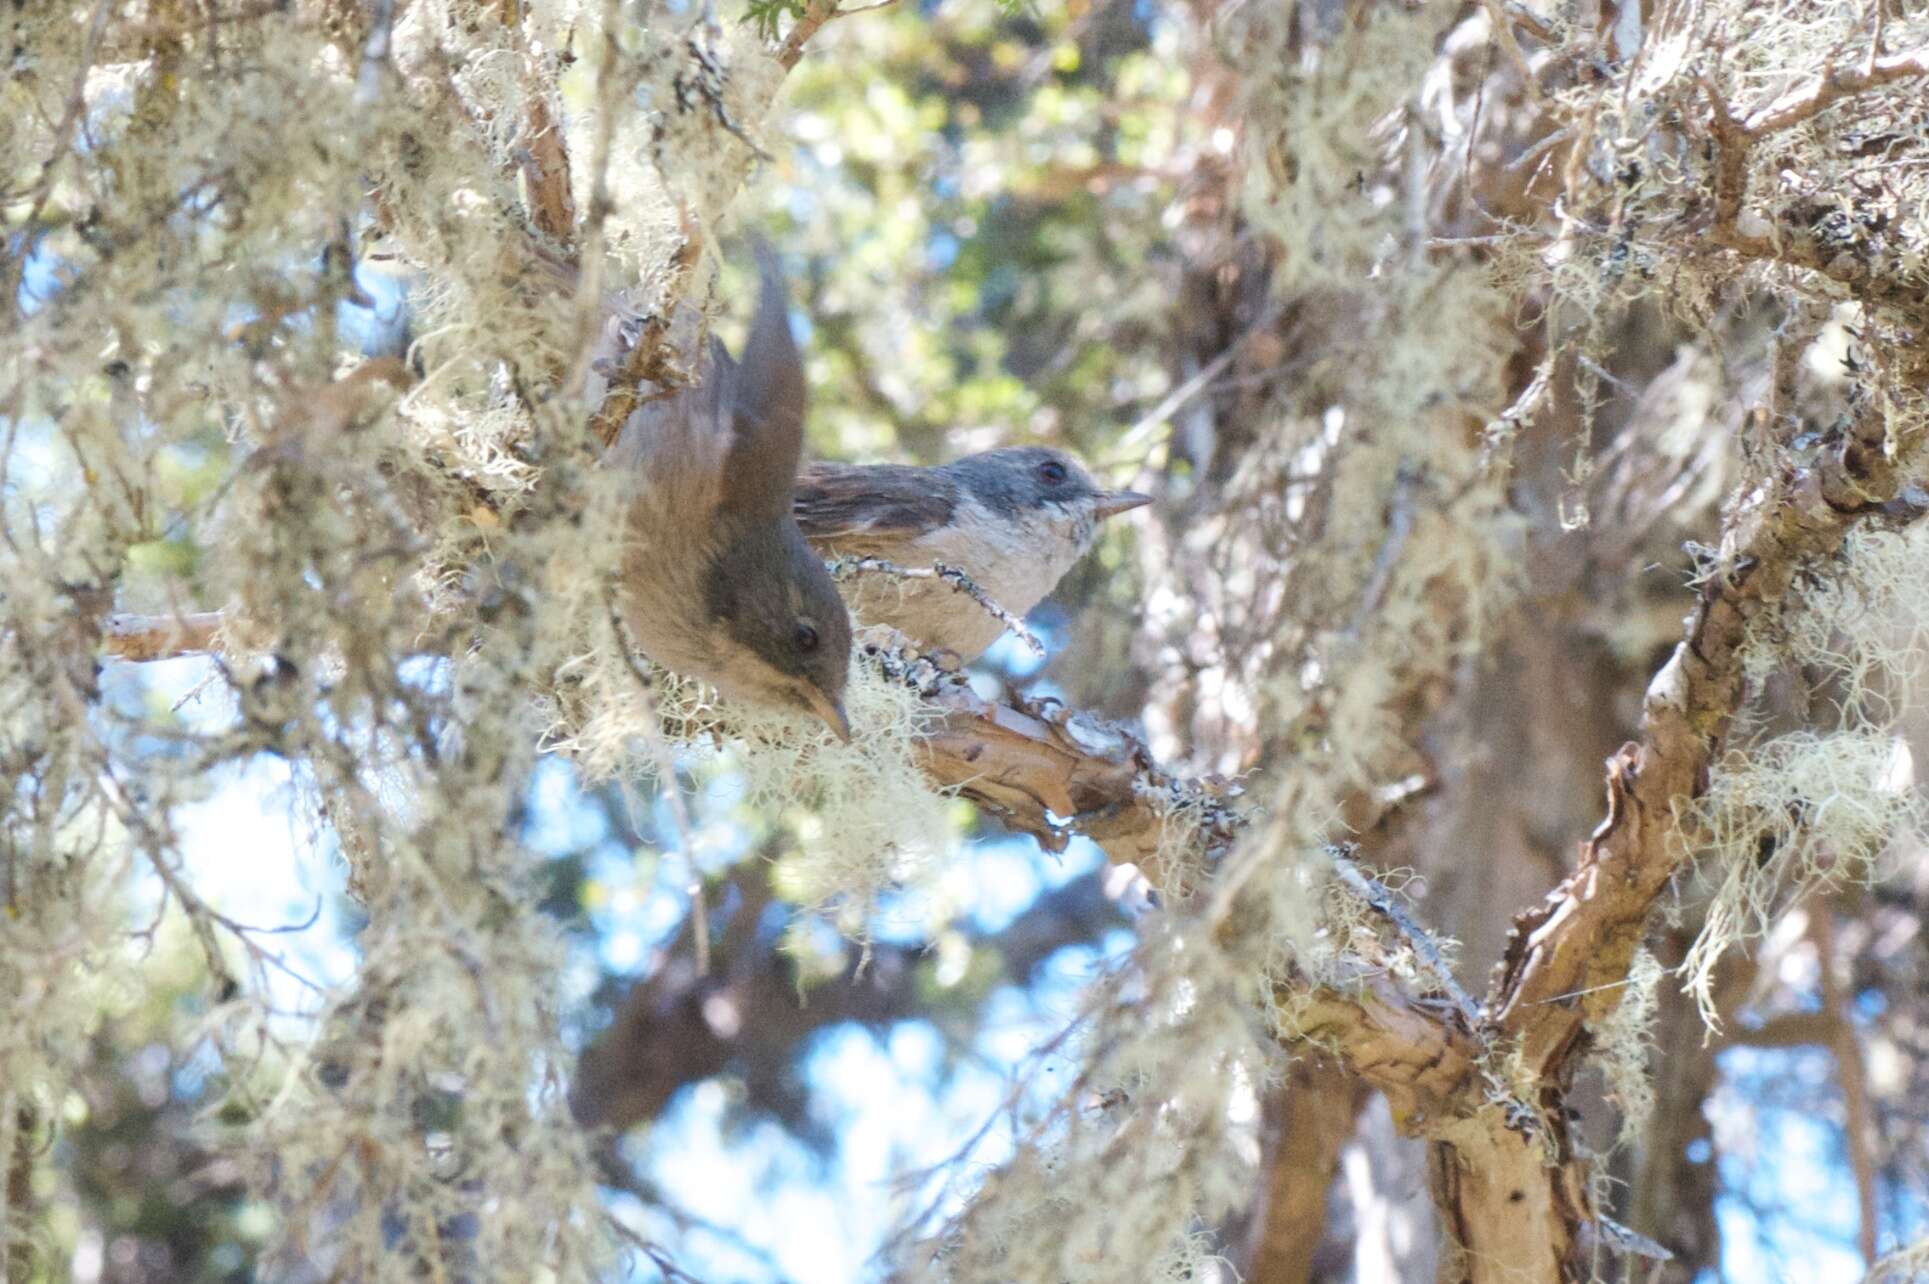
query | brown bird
(717,581)
(1014,520)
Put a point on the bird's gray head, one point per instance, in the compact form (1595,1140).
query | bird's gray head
(1021,482)
(788,634)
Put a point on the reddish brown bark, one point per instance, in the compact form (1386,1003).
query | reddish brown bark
(1309,1120)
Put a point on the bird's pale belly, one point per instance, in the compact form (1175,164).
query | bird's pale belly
(1015,567)
(928,611)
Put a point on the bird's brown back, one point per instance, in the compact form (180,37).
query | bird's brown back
(870,510)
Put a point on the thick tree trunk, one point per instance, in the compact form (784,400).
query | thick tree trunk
(1509,1214)
(1309,1121)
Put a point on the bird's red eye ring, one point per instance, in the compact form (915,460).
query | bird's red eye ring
(804,638)
(1052,471)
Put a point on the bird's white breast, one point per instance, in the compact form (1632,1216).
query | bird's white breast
(1016,561)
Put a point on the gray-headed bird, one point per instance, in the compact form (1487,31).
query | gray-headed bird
(1014,520)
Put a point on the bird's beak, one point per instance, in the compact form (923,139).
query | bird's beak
(1113,502)
(831,711)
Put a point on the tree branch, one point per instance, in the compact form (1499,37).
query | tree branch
(1864,269)
(1822,92)
(679,1027)
(1423,1063)
(1858,1123)
(815,15)
(1564,953)
(648,360)
(544,157)
(1052,771)
(546,169)
(1309,1120)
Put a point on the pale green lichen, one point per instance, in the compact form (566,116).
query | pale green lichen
(199,205)
(1624,1045)
(1785,815)
(1788,816)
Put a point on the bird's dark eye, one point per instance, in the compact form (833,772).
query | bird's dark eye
(804,638)
(1052,471)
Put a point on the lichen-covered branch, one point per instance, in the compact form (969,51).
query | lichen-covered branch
(544,155)
(1516,1197)
(1854,256)
(1039,766)
(1835,83)
(1052,771)
(715,91)
(649,359)
(1583,936)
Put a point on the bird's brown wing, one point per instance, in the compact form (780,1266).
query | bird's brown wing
(870,509)
(765,396)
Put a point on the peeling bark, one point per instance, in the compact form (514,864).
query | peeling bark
(1509,1214)
(1052,771)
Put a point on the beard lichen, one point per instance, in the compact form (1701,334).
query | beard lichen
(189,205)
(1788,814)
(1623,1044)
(1118,1176)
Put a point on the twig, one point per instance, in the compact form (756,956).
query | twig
(1858,1124)
(845,567)
(1546,143)
(545,156)
(1178,397)
(665,1264)
(814,17)
(1529,21)
(1399,525)
(1191,388)
(1628,1241)
(1503,31)
(1833,85)
(546,167)
(1417,938)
